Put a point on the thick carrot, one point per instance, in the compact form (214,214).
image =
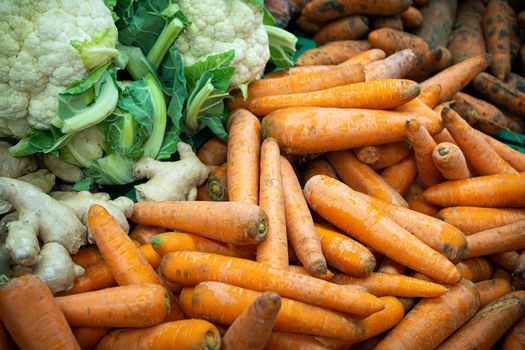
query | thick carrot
(348,28)
(217,183)
(396,66)
(420,205)
(183,334)
(456,77)
(253,327)
(364,57)
(412,18)
(391,41)
(344,253)
(497,30)
(191,268)
(490,118)
(151,255)
(303,271)
(95,277)
(325,10)
(378,94)
(238,222)
(475,219)
(475,269)
(432,320)
(515,339)
(508,260)
(438,21)
(137,305)
(334,52)
(490,290)
(430,95)
(299,223)
(344,208)
(244,142)
(213,152)
(88,337)
(31,316)
(391,22)
(293,341)
(382,156)
(477,151)
(223,303)
(497,240)
(489,324)
(501,94)
(401,175)
(383,284)
(318,166)
(423,145)
(510,155)
(467,39)
(87,256)
(450,161)
(390,266)
(144,233)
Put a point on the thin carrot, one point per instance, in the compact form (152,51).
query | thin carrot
(439,19)
(183,334)
(299,223)
(364,57)
(489,324)
(33,319)
(456,77)
(391,22)
(293,341)
(95,277)
(223,303)
(334,52)
(497,30)
(239,222)
(301,270)
(475,219)
(396,66)
(490,290)
(510,155)
(348,28)
(450,161)
(515,339)
(500,93)
(344,208)
(191,268)
(318,166)
(390,266)
(475,269)
(497,240)
(87,256)
(383,284)
(217,183)
(363,179)
(412,18)
(391,41)
(244,142)
(432,320)
(213,152)
(150,254)
(467,39)
(88,337)
(430,95)
(401,175)
(382,156)
(490,118)
(508,260)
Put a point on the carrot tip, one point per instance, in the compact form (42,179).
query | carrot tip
(319,268)
(212,340)
(412,125)
(156,241)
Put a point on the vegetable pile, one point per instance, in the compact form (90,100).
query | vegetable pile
(361,199)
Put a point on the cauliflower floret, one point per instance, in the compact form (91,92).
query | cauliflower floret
(37,58)
(219,26)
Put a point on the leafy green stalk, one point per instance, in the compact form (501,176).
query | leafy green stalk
(112,169)
(282,46)
(154,143)
(164,42)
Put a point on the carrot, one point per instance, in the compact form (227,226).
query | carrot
(475,219)
(475,269)
(401,175)
(515,81)
(466,110)
(515,339)
(318,166)
(308,25)
(396,66)
(490,290)
(300,70)
(508,260)
(301,270)
(87,256)
(344,253)
(383,284)
(292,341)
(456,77)
(253,327)
(510,155)
(281,10)
(88,337)
(390,266)
(467,39)
(150,254)
(364,57)
(363,179)
(430,95)
(420,205)
(213,152)
(191,268)
(412,18)
(391,22)
(348,28)
(490,118)
(382,156)
(95,277)
(31,316)
(500,93)
(299,223)
(143,234)
(450,161)
(497,240)
(497,30)
(432,320)
(433,61)
(244,140)
(344,208)
(334,52)
(216,185)
(519,272)
(379,94)
(183,334)
(489,324)
(325,10)
(391,41)
(500,273)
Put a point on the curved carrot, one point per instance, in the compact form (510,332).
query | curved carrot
(344,208)
(87,256)
(497,240)
(191,268)
(244,142)
(396,66)
(150,254)
(293,341)
(348,28)
(432,320)
(383,284)
(233,222)
(450,161)
(33,319)
(325,10)
(365,57)
(382,156)
(363,179)
(391,41)
(95,277)
(390,266)
(335,52)
(510,155)
(299,223)
(500,93)
(497,30)
(217,183)
(88,337)
(183,334)
(475,269)
(475,219)
(144,233)
(401,175)
(213,152)
(253,327)
(318,166)
(411,17)
(305,130)
(490,290)
(508,260)
(515,339)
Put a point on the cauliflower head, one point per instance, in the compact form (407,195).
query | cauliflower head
(47,45)
(219,26)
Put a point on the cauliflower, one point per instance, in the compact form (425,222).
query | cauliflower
(219,26)
(46,46)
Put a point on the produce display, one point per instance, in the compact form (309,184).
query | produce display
(249,174)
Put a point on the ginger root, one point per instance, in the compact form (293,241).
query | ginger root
(14,167)
(171,181)
(39,215)
(63,170)
(42,179)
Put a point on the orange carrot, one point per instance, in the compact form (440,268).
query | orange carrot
(390,266)
(432,320)
(497,240)
(299,223)
(412,18)
(450,161)
(300,70)
(88,337)
(433,61)
(334,52)
(391,22)
(500,273)
(508,260)
(244,140)
(293,341)
(465,109)
(31,316)
(497,30)
(467,39)
(396,66)
(364,57)
(475,269)
(143,234)
(382,156)
(348,28)
(150,254)
(438,22)
(490,118)
(318,166)
(420,205)
(183,334)
(430,95)
(213,152)
(239,222)
(401,175)
(87,256)
(515,339)
(344,208)
(95,277)
(383,284)
(490,290)
(191,268)
(489,324)
(308,25)
(474,219)
(361,178)
(391,41)
(500,93)
(515,81)
(510,155)
(301,270)
(216,185)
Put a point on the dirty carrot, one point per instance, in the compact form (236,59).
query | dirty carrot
(475,269)
(490,290)
(325,10)
(508,260)
(144,233)
(497,30)
(519,272)
(217,183)
(392,22)
(382,156)
(438,22)
(450,161)
(467,39)
(344,208)
(411,17)
(150,254)
(293,341)
(213,152)
(318,166)
(396,66)
(299,223)
(94,278)
(391,41)
(515,81)
(401,175)
(88,337)
(430,95)
(191,268)
(475,219)
(510,155)
(490,118)
(348,28)
(500,273)
(433,61)
(364,57)
(87,256)
(515,339)
(497,240)
(33,319)
(500,93)
(335,52)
